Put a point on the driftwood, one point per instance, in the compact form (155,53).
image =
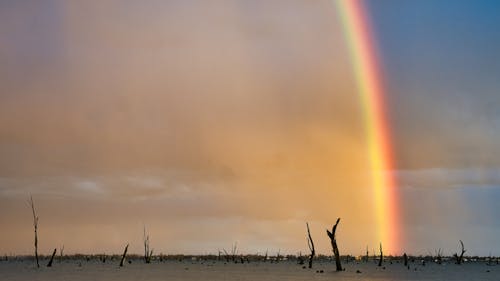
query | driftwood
(334,245)
(123,256)
(35,225)
(381,259)
(310,243)
(52,258)
(460,259)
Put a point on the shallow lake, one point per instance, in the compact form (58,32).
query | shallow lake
(74,270)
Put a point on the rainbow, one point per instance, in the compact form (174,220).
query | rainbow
(370,88)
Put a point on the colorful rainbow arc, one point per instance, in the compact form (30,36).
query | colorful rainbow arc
(369,81)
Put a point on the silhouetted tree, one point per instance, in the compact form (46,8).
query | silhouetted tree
(234,251)
(459,259)
(123,256)
(61,251)
(405,257)
(35,225)
(381,259)
(231,256)
(226,255)
(310,243)
(300,259)
(147,252)
(335,249)
(438,256)
(52,258)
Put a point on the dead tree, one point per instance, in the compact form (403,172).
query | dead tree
(300,259)
(147,252)
(52,258)
(123,256)
(226,255)
(35,225)
(460,259)
(439,259)
(234,251)
(310,243)
(334,245)
(231,256)
(405,258)
(61,251)
(381,259)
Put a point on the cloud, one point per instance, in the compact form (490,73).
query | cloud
(238,115)
(89,186)
(449,178)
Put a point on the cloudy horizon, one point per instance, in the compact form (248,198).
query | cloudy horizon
(238,121)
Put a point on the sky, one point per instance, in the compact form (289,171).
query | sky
(234,121)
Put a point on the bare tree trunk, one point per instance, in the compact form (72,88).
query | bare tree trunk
(52,258)
(367,256)
(234,251)
(61,251)
(405,257)
(334,245)
(310,243)
(381,259)
(147,252)
(123,256)
(438,256)
(300,259)
(226,254)
(459,259)
(35,225)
